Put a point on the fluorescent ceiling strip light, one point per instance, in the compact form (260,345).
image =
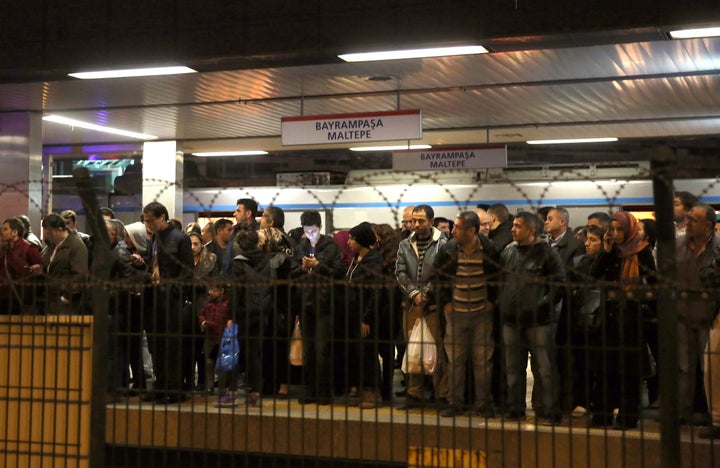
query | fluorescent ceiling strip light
(230,153)
(571,140)
(694,33)
(154,71)
(390,148)
(97,128)
(413,53)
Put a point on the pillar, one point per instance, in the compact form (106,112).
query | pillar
(163,175)
(21,175)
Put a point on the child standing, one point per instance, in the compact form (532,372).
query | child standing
(213,319)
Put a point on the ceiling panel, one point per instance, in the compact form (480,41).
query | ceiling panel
(623,87)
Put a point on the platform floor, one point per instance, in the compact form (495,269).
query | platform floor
(386,434)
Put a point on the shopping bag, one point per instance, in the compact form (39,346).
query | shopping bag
(229,351)
(421,352)
(296,345)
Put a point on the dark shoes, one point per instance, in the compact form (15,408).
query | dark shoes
(411,402)
(514,416)
(551,421)
(452,411)
(311,400)
(712,432)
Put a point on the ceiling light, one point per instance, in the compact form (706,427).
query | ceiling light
(694,33)
(390,148)
(231,153)
(97,128)
(571,140)
(155,71)
(413,53)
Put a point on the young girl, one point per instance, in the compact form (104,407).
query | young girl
(213,319)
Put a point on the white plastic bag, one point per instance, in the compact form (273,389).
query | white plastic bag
(421,353)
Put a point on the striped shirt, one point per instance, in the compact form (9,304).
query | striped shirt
(422,246)
(470,290)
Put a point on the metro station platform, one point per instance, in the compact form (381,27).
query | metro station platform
(387,436)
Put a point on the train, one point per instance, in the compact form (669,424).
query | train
(381,196)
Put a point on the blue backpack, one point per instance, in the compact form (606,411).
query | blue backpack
(229,352)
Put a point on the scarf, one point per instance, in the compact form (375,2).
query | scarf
(630,247)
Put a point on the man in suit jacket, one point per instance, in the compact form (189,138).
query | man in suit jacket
(568,247)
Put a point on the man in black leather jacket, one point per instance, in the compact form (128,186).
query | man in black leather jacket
(533,275)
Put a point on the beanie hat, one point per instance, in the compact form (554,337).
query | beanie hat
(363,234)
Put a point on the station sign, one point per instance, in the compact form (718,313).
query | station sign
(352,128)
(482,157)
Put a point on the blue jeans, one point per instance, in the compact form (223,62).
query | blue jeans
(540,342)
(469,335)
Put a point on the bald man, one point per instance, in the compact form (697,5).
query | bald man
(484,221)
(407,223)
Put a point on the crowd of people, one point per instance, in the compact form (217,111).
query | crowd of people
(491,289)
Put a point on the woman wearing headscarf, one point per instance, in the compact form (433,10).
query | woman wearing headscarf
(626,261)
(364,278)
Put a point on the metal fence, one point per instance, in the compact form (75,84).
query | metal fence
(133,377)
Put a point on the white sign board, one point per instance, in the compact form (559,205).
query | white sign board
(450,158)
(352,128)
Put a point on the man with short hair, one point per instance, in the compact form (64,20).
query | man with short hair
(568,247)
(245,214)
(697,254)
(500,225)
(207,233)
(599,219)
(223,232)
(532,271)
(444,225)
(20,260)
(464,266)
(70,218)
(171,262)
(682,203)
(414,271)
(318,264)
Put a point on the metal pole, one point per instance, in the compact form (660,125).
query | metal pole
(100,269)
(662,163)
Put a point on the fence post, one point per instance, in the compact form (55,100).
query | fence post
(662,163)
(100,269)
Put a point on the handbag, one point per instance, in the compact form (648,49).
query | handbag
(296,345)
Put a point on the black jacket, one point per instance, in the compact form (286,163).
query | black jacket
(364,282)
(533,276)
(252,289)
(174,254)
(316,288)
(446,268)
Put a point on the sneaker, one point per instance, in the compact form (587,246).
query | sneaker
(227,400)
(254,400)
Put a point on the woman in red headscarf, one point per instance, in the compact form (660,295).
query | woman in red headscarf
(627,263)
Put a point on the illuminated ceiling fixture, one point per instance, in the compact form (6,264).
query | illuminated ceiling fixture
(210,154)
(695,33)
(97,128)
(413,53)
(571,140)
(155,71)
(390,148)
